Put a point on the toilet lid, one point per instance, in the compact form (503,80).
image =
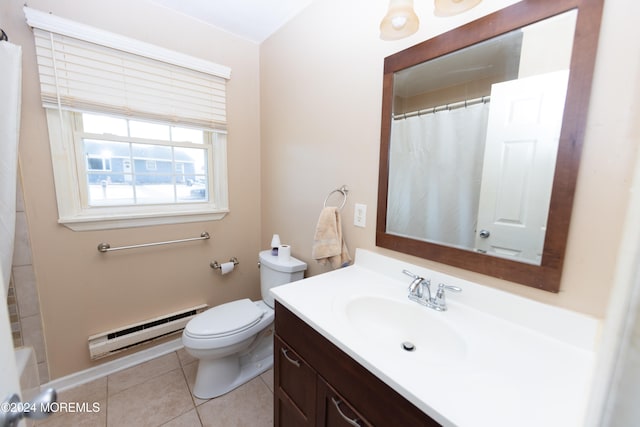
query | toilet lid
(225,319)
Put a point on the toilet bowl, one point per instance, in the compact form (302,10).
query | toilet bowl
(233,342)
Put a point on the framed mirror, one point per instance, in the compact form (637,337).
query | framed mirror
(482,130)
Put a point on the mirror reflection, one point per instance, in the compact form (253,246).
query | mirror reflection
(474,139)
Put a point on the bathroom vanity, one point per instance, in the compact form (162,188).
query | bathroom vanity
(352,349)
(317,384)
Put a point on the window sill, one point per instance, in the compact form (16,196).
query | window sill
(95,222)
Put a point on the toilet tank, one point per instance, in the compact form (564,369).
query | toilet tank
(275,272)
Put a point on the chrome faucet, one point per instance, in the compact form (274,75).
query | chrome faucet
(417,287)
(417,292)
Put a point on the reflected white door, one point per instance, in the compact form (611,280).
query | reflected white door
(520,155)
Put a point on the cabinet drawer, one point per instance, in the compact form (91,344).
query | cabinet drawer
(295,383)
(335,411)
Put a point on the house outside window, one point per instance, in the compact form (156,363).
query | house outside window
(98,164)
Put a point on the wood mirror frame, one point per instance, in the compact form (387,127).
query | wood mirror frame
(546,276)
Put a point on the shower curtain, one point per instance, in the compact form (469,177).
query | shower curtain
(435,164)
(10,98)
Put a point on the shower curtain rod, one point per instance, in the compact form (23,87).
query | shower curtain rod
(446,107)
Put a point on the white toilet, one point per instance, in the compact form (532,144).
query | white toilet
(234,341)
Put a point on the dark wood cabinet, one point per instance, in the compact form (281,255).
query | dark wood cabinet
(317,384)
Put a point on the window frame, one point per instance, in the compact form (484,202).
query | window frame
(70,173)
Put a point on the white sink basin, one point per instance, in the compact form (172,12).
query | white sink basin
(405,326)
(492,359)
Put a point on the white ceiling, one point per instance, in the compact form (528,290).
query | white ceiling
(255,20)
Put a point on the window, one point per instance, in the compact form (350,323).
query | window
(98,163)
(118,180)
(145,127)
(130,162)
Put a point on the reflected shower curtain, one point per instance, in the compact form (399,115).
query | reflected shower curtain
(435,164)
(10,96)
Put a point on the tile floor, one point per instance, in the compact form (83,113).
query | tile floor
(157,393)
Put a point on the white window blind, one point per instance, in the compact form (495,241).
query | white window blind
(77,74)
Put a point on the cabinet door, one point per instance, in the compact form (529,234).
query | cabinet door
(334,410)
(295,388)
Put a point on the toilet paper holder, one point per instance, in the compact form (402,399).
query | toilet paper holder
(217,265)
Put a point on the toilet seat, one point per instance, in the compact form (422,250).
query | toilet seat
(225,320)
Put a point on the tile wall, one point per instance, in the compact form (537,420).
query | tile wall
(24,307)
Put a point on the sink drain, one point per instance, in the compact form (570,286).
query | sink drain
(408,346)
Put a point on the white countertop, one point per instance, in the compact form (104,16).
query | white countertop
(516,362)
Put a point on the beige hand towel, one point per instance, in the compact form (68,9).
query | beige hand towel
(328,245)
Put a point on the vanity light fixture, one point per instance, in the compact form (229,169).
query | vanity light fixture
(401,20)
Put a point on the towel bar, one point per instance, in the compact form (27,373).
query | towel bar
(342,190)
(105,247)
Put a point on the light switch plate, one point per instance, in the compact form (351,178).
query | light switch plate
(360,215)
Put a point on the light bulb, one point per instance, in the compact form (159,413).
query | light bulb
(398,22)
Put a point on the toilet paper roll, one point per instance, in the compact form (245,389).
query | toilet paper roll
(227,267)
(284,253)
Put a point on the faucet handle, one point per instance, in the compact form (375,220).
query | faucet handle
(440,302)
(410,274)
(449,287)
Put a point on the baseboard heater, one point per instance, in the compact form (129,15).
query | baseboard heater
(114,341)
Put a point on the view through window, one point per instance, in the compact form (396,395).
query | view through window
(132,162)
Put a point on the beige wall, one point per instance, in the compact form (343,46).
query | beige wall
(304,118)
(82,291)
(321,89)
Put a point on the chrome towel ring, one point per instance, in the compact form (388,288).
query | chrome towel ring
(342,190)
